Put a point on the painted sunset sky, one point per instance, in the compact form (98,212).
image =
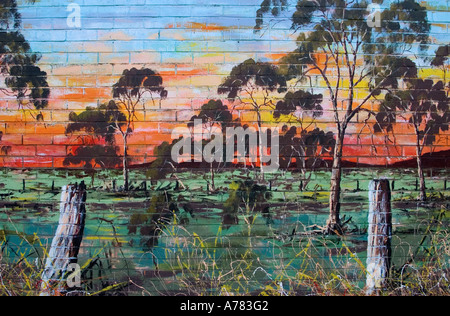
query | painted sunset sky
(193,48)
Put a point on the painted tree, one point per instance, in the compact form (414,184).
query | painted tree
(95,129)
(310,149)
(441,56)
(304,142)
(163,164)
(275,7)
(251,83)
(355,62)
(131,93)
(441,61)
(214,115)
(424,106)
(22,78)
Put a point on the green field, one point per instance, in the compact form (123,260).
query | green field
(162,239)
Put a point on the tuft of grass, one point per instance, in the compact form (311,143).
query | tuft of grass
(305,265)
(22,264)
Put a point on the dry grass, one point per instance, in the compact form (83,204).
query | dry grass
(199,268)
(20,276)
(22,265)
(212,266)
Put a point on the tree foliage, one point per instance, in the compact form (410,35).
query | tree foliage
(310,149)
(134,83)
(214,112)
(94,156)
(130,92)
(97,129)
(424,105)
(442,54)
(98,122)
(163,163)
(250,76)
(274,7)
(340,30)
(18,64)
(299,103)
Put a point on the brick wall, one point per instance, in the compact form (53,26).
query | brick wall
(223,227)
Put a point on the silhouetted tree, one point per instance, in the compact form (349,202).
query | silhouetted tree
(163,163)
(309,148)
(269,6)
(441,57)
(23,79)
(423,105)
(252,83)
(441,60)
(303,108)
(130,92)
(20,76)
(92,157)
(95,128)
(299,104)
(214,114)
(97,123)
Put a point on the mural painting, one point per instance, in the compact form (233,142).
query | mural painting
(224,148)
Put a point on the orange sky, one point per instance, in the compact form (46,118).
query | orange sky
(44,144)
(193,58)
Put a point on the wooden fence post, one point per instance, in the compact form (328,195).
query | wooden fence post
(67,240)
(380,235)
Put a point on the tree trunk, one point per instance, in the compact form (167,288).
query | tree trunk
(66,243)
(212,186)
(125,163)
(379,250)
(423,188)
(261,167)
(334,221)
(302,165)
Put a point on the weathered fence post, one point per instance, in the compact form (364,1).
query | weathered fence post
(380,234)
(66,243)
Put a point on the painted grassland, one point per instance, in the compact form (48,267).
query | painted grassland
(174,237)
